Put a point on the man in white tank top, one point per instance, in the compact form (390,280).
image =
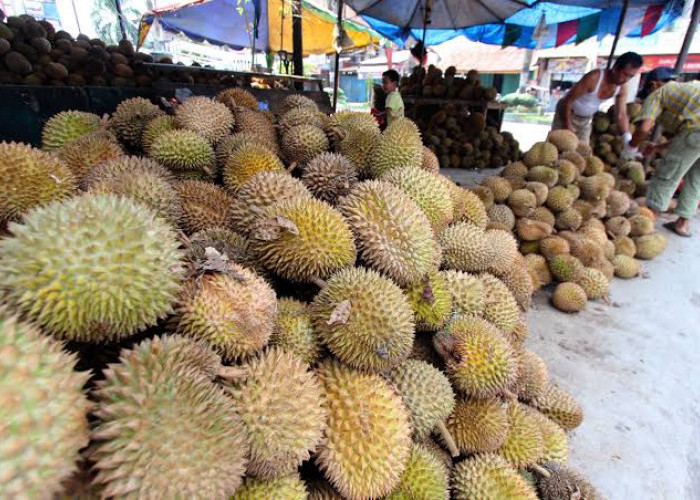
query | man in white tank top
(576,109)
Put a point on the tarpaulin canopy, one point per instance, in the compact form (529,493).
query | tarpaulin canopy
(580,19)
(228,23)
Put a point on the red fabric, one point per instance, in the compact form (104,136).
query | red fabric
(389,53)
(651,17)
(565,31)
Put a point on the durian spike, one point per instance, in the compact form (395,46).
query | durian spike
(319,282)
(540,470)
(232,372)
(449,440)
(509,395)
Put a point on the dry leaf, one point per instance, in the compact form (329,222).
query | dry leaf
(341,313)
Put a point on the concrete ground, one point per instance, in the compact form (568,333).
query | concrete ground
(526,133)
(633,366)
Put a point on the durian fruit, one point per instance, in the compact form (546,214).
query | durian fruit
(281,405)
(123,165)
(618,227)
(515,169)
(618,204)
(466,292)
(500,188)
(539,270)
(368,440)
(78,242)
(532,230)
(529,247)
(576,158)
(489,476)
(393,235)
(429,193)
(563,139)
(593,188)
(329,177)
(231,246)
(184,151)
(247,161)
(554,440)
(460,200)
(204,205)
(474,210)
(640,226)
(519,334)
(504,249)
(297,101)
(425,477)
(156,394)
(559,199)
(400,145)
(424,350)
(205,116)
(569,297)
(364,319)
(560,406)
(430,162)
(541,153)
(254,123)
(540,190)
(553,246)
(302,239)
(478,425)
(67,126)
(231,143)
(303,143)
(568,172)
(565,267)
(289,487)
(485,195)
(500,307)
(574,190)
(650,246)
(563,483)
(259,192)
(146,187)
(624,245)
(431,301)
(543,214)
(594,283)
(568,220)
(523,446)
(44,411)
(594,166)
(82,154)
(322,490)
(294,330)
(533,377)
(233,97)
(501,217)
(233,311)
(155,128)
(357,145)
(466,247)
(302,116)
(31,178)
(545,175)
(522,202)
(425,391)
(131,118)
(479,359)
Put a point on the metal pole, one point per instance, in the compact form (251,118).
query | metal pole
(120,16)
(618,33)
(336,76)
(694,17)
(427,8)
(75,13)
(297,56)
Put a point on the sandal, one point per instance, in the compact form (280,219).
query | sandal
(671,226)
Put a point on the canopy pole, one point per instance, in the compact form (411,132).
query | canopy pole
(618,33)
(336,69)
(120,16)
(694,18)
(427,9)
(297,56)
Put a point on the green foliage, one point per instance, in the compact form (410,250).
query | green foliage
(518,99)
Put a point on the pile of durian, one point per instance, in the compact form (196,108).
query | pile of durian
(431,82)
(574,218)
(212,305)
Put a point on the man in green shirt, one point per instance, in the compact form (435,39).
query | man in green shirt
(394,102)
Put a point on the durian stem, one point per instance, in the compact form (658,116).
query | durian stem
(232,372)
(449,440)
(509,394)
(540,470)
(292,167)
(319,282)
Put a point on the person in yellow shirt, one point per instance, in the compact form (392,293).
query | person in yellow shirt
(394,102)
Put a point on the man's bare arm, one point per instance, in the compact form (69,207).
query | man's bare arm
(582,87)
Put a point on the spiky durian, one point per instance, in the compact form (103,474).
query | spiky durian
(425,477)
(79,242)
(255,123)
(489,476)
(297,101)
(303,143)
(44,414)
(230,143)
(520,284)
(431,301)
(364,319)
(234,97)
(500,188)
(183,151)
(294,330)
(524,444)
(245,162)
(369,433)
(67,126)
(31,178)
(533,377)
(302,116)
(466,292)
(466,247)
(81,155)
(474,210)
(393,235)
(522,202)
(357,145)
(281,406)
(555,443)
(430,161)
(501,217)
(485,195)
(400,145)
(303,238)
(231,246)
(289,487)
(131,117)
(204,205)
(594,283)
(155,128)
(562,483)
(569,297)
(478,425)
(650,246)
(429,193)
(259,192)
(205,116)
(563,139)
(123,165)
(188,412)
(500,307)
(329,177)
(560,406)
(538,269)
(504,249)
(541,153)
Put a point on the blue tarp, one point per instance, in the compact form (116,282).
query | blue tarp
(527,20)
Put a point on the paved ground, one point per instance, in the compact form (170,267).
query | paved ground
(633,365)
(526,133)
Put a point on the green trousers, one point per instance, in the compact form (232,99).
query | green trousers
(681,161)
